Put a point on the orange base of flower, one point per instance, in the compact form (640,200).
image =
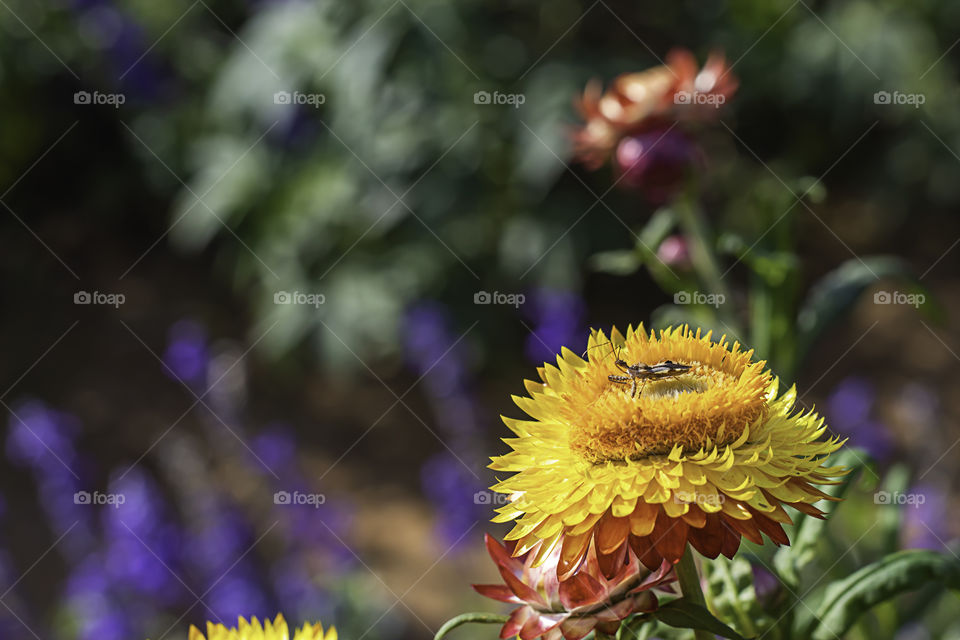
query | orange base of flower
(711,534)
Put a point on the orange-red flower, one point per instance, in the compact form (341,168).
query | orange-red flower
(575,607)
(650,99)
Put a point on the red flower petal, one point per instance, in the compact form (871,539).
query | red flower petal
(515,622)
(535,627)
(524,592)
(577,628)
(582,589)
(501,557)
(497,592)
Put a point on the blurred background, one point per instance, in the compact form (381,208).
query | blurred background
(272,269)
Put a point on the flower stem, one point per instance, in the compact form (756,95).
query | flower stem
(702,254)
(689,580)
(464,618)
(701,251)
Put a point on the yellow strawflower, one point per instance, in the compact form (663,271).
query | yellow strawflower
(706,454)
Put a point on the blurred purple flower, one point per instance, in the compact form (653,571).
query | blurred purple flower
(104,624)
(223,536)
(851,401)
(125,47)
(238,594)
(849,408)
(40,437)
(276,447)
(187,355)
(88,595)
(433,351)
(43,440)
(765,583)
(451,486)
(557,318)
(142,543)
(925,524)
(298,591)
(299,128)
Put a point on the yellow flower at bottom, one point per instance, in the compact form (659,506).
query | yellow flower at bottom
(706,455)
(253,630)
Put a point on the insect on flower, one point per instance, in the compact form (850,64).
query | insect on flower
(643,372)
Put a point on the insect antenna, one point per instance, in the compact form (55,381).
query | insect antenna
(614,350)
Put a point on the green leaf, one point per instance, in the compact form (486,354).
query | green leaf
(890,518)
(640,627)
(659,226)
(772,266)
(836,293)
(730,593)
(683,614)
(808,530)
(622,262)
(846,600)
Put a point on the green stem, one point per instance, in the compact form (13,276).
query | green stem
(730,586)
(761,316)
(689,579)
(701,251)
(702,254)
(464,618)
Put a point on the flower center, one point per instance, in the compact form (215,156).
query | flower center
(701,408)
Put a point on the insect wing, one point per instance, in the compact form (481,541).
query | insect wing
(667,368)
